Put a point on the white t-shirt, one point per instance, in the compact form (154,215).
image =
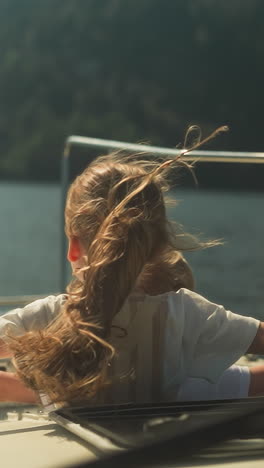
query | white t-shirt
(174,337)
(34,316)
(161,341)
(233,383)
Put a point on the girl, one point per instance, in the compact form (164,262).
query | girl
(128,330)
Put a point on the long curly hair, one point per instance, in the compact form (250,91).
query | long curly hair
(117,211)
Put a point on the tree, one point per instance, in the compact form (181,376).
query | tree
(126,69)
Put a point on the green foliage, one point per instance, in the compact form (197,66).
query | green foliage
(125,69)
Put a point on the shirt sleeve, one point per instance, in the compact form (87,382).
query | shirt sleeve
(233,383)
(212,338)
(34,316)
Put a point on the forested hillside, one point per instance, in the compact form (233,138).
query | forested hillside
(131,70)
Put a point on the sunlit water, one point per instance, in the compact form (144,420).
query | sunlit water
(231,274)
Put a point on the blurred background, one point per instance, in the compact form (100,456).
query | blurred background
(137,71)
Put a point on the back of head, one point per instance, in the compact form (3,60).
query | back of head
(116,209)
(111,190)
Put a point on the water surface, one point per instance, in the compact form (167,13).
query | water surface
(231,274)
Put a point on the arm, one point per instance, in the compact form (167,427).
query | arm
(257,345)
(34,316)
(12,389)
(256,386)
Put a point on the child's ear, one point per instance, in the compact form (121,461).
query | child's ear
(74,249)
